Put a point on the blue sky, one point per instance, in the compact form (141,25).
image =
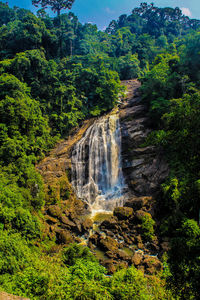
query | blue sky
(101,12)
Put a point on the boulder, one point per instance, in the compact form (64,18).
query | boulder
(136,259)
(139,202)
(64,237)
(94,239)
(108,244)
(109,224)
(139,214)
(111,266)
(152,264)
(123,255)
(111,254)
(87,224)
(65,220)
(123,213)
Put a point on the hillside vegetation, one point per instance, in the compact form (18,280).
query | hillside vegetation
(57,72)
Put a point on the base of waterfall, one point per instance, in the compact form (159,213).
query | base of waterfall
(106,203)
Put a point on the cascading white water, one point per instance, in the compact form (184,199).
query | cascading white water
(96,165)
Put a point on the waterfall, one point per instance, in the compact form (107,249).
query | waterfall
(96,165)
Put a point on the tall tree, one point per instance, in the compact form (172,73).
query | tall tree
(56,5)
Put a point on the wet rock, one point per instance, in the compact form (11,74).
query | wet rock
(144,167)
(94,239)
(123,213)
(87,224)
(108,244)
(78,226)
(109,224)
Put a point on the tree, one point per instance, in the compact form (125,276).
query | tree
(56,5)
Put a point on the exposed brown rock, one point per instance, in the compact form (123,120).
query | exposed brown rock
(108,244)
(123,255)
(139,202)
(152,264)
(110,224)
(65,220)
(94,239)
(139,214)
(51,220)
(87,224)
(58,189)
(144,167)
(64,237)
(136,259)
(5,296)
(144,170)
(123,213)
(55,211)
(111,265)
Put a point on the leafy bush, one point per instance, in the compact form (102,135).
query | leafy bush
(77,252)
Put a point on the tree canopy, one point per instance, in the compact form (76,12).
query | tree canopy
(55,5)
(56,72)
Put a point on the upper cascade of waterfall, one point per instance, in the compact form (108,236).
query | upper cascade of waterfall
(96,165)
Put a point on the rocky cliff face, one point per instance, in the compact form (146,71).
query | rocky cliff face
(65,216)
(129,235)
(144,167)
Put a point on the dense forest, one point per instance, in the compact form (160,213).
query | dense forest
(57,72)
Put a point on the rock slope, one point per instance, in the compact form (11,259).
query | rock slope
(143,167)
(129,235)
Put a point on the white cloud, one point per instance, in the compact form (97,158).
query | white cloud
(186,11)
(109,11)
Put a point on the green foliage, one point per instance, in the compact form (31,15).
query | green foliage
(174,103)
(77,252)
(14,253)
(131,284)
(147,227)
(54,73)
(55,5)
(185,260)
